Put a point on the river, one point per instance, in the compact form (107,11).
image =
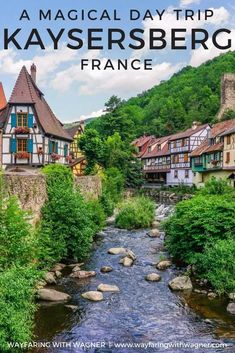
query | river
(142,312)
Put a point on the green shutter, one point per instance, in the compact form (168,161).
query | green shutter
(13,120)
(57,147)
(30,120)
(65,150)
(30,145)
(13,145)
(50,147)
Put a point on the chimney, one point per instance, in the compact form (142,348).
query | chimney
(33,70)
(3,101)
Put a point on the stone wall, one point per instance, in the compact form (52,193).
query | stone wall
(165,197)
(227,94)
(30,188)
(90,186)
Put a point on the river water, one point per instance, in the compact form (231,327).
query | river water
(142,312)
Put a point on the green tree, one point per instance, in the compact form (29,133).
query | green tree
(113,103)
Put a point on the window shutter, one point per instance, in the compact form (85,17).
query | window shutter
(65,150)
(13,120)
(30,120)
(57,147)
(30,145)
(13,145)
(50,147)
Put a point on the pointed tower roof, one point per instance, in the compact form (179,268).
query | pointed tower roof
(3,101)
(27,92)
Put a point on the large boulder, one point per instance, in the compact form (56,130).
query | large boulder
(94,296)
(153,277)
(117,251)
(181,283)
(52,295)
(163,265)
(76,268)
(231,308)
(154,233)
(106,269)
(108,288)
(80,264)
(50,278)
(83,274)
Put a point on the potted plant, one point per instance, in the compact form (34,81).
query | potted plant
(22,130)
(55,157)
(22,155)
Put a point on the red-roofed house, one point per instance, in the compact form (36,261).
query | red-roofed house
(157,161)
(141,144)
(181,145)
(216,156)
(32,135)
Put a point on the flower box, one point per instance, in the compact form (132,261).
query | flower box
(22,130)
(55,157)
(22,155)
(69,159)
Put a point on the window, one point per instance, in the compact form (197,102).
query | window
(186,173)
(175,144)
(186,158)
(159,147)
(227,157)
(228,140)
(183,143)
(176,174)
(21,145)
(22,120)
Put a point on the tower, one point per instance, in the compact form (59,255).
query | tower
(227,99)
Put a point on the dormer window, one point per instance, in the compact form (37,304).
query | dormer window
(22,119)
(159,147)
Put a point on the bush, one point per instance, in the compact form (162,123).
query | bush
(216,187)
(17,242)
(97,215)
(113,183)
(197,222)
(68,221)
(217,265)
(136,212)
(16,305)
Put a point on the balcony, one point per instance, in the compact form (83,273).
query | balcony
(157,168)
(180,165)
(179,149)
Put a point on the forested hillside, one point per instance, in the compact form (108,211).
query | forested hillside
(191,94)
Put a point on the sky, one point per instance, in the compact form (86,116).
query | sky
(74,94)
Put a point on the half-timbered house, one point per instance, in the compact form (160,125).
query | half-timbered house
(32,135)
(142,143)
(3,104)
(181,145)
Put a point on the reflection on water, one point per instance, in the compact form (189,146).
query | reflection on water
(141,312)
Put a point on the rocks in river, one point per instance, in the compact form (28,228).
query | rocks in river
(72,307)
(76,264)
(211,295)
(76,268)
(106,269)
(94,296)
(153,277)
(58,267)
(155,224)
(117,251)
(131,255)
(181,283)
(164,264)
(231,308)
(52,295)
(200,291)
(111,220)
(58,274)
(126,261)
(154,233)
(50,278)
(83,274)
(108,288)
(231,296)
